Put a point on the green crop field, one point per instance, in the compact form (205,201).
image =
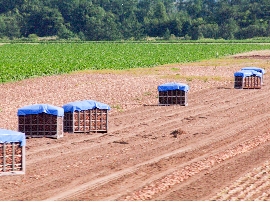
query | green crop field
(22,60)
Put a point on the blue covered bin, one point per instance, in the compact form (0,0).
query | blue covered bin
(258,69)
(85,116)
(247,79)
(41,120)
(173,93)
(12,152)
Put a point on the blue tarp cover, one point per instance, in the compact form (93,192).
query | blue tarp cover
(173,86)
(8,136)
(245,73)
(258,69)
(84,105)
(40,108)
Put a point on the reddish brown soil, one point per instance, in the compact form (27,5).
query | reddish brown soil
(216,148)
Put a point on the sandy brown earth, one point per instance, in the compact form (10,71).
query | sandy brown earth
(216,148)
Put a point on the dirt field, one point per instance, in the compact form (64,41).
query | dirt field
(216,148)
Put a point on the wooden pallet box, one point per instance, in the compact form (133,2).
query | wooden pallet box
(258,69)
(173,93)
(41,120)
(247,79)
(86,116)
(12,152)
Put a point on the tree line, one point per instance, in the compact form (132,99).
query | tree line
(109,20)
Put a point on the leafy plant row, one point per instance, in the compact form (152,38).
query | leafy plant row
(21,61)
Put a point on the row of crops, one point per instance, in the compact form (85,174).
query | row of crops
(21,60)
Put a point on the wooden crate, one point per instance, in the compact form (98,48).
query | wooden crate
(12,152)
(173,94)
(248,82)
(41,125)
(238,82)
(173,97)
(252,82)
(85,121)
(12,158)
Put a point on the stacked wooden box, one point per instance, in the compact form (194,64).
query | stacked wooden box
(247,79)
(173,93)
(85,117)
(41,120)
(12,152)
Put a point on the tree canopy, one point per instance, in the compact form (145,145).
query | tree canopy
(97,20)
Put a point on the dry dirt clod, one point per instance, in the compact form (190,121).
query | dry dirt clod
(177,132)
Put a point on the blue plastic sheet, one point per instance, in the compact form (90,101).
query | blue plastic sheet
(258,69)
(245,73)
(173,86)
(84,105)
(40,108)
(9,136)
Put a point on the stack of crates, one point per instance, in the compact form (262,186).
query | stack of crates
(247,79)
(12,152)
(41,120)
(85,117)
(173,94)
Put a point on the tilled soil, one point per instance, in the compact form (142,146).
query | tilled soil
(216,148)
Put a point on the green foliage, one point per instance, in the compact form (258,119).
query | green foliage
(167,34)
(33,37)
(110,20)
(20,61)
(64,33)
